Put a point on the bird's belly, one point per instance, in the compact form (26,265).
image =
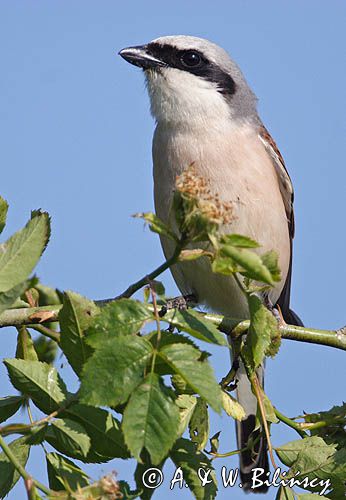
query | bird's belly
(239,170)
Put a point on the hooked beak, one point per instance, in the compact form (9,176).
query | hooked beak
(139,56)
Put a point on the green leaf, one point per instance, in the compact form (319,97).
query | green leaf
(8,474)
(285,493)
(63,473)
(47,295)
(186,404)
(46,349)
(9,406)
(37,435)
(193,254)
(161,367)
(314,458)
(215,442)
(103,429)
(158,288)
(156,225)
(334,429)
(185,361)
(75,317)
(120,318)
(179,384)
(232,407)
(8,298)
(250,262)
(193,462)
(196,325)
(263,326)
(270,260)
(114,370)
(20,254)
(25,346)
(3,213)
(68,437)
(151,419)
(310,496)
(268,410)
(224,265)
(146,493)
(168,338)
(199,424)
(238,240)
(39,381)
(126,491)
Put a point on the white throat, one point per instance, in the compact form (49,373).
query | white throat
(179,98)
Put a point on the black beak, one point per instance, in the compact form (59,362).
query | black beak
(139,56)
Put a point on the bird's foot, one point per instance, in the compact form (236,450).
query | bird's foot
(275,310)
(180,303)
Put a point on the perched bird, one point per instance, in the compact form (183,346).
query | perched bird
(206,114)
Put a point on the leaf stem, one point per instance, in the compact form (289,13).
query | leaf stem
(47,332)
(158,329)
(6,430)
(228,454)
(291,423)
(234,452)
(20,469)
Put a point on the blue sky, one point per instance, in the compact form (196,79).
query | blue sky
(75,140)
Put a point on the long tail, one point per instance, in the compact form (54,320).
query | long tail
(258,457)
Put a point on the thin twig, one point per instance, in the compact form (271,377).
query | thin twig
(29,411)
(6,430)
(149,277)
(20,469)
(234,452)
(30,488)
(47,332)
(228,454)
(258,392)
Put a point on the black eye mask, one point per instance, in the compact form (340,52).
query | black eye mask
(193,62)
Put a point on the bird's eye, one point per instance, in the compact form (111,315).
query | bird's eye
(191,59)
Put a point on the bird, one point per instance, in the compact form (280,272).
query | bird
(206,115)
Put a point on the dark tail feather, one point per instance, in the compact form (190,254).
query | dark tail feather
(258,456)
(292,318)
(252,459)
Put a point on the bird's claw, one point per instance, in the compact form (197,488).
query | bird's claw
(180,303)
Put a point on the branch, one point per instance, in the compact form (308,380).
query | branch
(331,338)
(29,315)
(233,327)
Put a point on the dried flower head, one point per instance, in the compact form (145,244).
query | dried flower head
(110,486)
(195,187)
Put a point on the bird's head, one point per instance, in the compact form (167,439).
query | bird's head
(192,80)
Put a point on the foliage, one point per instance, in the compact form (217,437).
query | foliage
(144,391)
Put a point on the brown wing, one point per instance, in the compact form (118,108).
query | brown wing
(285,182)
(287,194)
